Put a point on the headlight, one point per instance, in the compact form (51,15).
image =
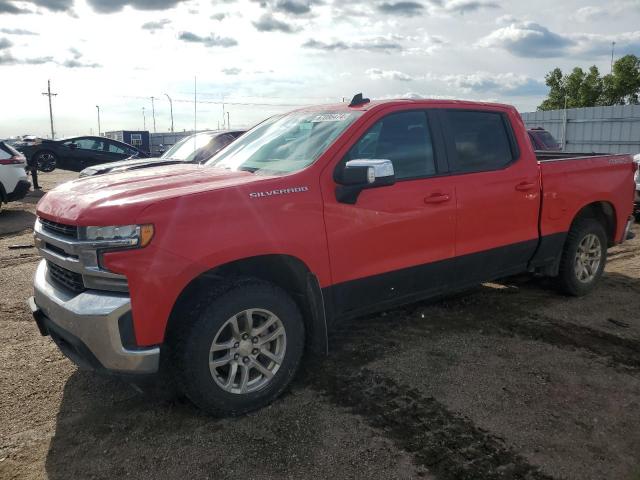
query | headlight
(126,235)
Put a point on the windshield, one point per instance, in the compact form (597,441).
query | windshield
(284,144)
(187,148)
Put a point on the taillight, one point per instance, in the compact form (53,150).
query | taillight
(15,160)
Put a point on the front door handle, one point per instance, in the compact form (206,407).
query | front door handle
(437,198)
(526,186)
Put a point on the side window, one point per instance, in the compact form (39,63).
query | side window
(113,148)
(89,144)
(403,138)
(480,139)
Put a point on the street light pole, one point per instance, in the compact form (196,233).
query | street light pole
(49,94)
(144,120)
(171,107)
(99,129)
(153,111)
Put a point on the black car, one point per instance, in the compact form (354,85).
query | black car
(196,148)
(76,153)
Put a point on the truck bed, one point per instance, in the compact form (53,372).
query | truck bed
(570,181)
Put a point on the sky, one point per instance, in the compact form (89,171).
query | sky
(262,57)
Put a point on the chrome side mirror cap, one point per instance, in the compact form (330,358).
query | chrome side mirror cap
(361,174)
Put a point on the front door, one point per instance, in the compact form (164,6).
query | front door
(396,242)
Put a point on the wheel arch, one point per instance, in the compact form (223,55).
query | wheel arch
(288,272)
(605,213)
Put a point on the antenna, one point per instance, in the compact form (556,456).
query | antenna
(358,100)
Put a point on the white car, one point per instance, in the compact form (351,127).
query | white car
(14,184)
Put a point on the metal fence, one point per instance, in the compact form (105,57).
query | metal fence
(614,129)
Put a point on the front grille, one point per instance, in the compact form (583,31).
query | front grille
(70,231)
(71,280)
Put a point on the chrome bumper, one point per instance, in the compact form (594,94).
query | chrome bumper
(89,319)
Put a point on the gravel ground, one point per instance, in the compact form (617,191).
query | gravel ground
(506,381)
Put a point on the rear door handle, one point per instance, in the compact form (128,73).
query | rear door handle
(437,198)
(526,186)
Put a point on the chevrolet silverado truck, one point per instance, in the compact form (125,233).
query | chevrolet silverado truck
(220,276)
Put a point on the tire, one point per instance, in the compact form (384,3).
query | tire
(220,390)
(578,276)
(46,161)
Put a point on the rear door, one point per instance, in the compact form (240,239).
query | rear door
(115,151)
(394,242)
(83,152)
(497,193)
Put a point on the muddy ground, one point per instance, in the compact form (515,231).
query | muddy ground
(506,381)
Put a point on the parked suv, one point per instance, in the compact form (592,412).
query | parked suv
(13,177)
(226,274)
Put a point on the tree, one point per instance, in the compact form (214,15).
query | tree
(589,89)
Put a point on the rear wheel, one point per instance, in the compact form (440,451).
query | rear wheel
(583,258)
(243,349)
(46,161)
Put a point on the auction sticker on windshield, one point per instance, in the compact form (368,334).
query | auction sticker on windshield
(330,117)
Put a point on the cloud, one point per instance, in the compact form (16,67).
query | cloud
(75,63)
(407,9)
(469,6)
(377,74)
(156,25)
(218,16)
(532,40)
(290,7)
(6,58)
(54,5)
(17,31)
(267,23)
(528,39)
(111,6)
(5,43)
(589,13)
(376,44)
(511,84)
(9,7)
(232,71)
(209,41)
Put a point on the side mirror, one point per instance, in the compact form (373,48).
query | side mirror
(361,174)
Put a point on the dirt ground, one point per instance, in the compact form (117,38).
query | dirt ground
(507,381)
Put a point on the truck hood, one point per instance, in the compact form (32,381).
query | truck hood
(118,198)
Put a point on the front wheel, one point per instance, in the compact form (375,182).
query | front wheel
(583,258)
(243,349)
(46,161)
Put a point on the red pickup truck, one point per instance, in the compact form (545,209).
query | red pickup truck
(223,275)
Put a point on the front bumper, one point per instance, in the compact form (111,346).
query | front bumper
(21,190)
(87,327)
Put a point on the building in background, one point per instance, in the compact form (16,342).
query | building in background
(614,129)
(139,139)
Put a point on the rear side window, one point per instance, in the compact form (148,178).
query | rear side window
(480,139)
(113,148)
(403,138)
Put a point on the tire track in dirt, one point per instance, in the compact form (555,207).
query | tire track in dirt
(447,445)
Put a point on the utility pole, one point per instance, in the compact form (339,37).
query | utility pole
(613,47)
(228,121)
(49,94)
(144,120)
(153,111)
(99,129)
(171,107)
